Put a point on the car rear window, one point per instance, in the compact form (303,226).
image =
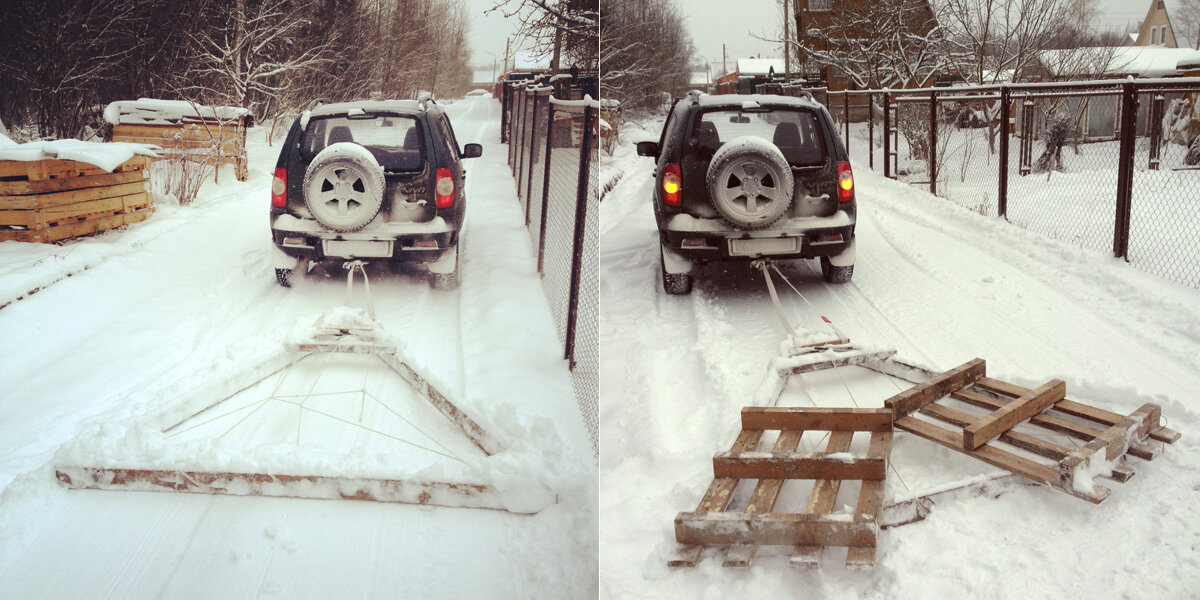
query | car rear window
(395,141)
(796,132)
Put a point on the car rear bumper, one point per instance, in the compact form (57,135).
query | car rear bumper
(700,240)
(411,242)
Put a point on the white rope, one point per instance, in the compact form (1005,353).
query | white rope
(351,267)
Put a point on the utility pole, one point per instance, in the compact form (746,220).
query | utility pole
(724,65)
(506,44)
(787,46)
(557,50)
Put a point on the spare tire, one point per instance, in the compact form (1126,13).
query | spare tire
(749,182)
(343,187)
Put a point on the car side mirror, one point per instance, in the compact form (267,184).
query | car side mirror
(648,149)
(472,151)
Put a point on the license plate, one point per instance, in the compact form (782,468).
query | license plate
(357,248)
(757,246)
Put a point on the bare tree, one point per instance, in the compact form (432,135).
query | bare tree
(883,43)
(250,60)
(1188,19)
(644,51)
(567,31)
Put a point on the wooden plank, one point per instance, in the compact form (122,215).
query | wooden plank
(775,529)
(1023,441)
(1020,440)
(996,456)
(191,131)
(1056,424)
(50,186)
(54,168)
(465,495)
(1108,446)
(870,501)
(838,359)
(79,211)
(955,379)
(62,232)
(797,465)
(422,386)
(762,500)
(716,499)
(817,419)
(1006,417)
(1151,427)
(823,497)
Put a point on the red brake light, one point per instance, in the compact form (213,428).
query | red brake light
(279,188)
(672,185)
(845,182)
(444,188)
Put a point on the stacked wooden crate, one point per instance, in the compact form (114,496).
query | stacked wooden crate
(210,142)
(51,200)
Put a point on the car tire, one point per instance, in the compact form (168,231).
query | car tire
(750,183)
(446,281)
(675,284)
(343,187)
(835,274)
(284,277)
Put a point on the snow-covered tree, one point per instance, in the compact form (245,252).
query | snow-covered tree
(644,51)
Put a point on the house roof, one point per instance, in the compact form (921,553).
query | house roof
(759,66)
(1138,61)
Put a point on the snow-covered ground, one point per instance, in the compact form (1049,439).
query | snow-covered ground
(121,319)
(942,285)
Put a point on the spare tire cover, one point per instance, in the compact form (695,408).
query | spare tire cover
(749,182)
(343,187)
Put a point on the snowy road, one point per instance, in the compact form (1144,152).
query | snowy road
(942,285)
(192,290)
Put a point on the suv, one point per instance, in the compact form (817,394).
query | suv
(747,177)
(378,180)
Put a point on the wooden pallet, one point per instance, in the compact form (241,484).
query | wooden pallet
(52,200)
(714,523)
(412,488)
(212,143)
(1045,415)
(41,170)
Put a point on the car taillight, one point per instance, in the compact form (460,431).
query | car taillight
(444,188)
(845,182)
(279,188)
(672,185)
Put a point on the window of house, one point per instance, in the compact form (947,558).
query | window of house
(1162,37)
(1154,36)
(820,5)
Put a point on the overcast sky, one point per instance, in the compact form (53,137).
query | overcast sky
(488,33)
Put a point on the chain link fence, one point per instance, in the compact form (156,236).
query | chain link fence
(555,160)
(1111,166)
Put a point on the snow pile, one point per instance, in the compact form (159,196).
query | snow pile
(148,111)
(106,155)
(4,141)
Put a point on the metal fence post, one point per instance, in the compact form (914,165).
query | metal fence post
(505,106)
(1156,130)
(933,142)
(546,183)
(1002,196)
(887,134)
(580,215)
(1129,106)
(846,116)
(871,131)
(532,158)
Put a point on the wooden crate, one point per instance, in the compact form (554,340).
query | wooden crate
(205,141)
(1044,414)
(716,523)
(51,200)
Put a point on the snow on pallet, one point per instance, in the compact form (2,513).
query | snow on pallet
(212,135)
(52,200)
(714,523)
(1042,414)
(342,332)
